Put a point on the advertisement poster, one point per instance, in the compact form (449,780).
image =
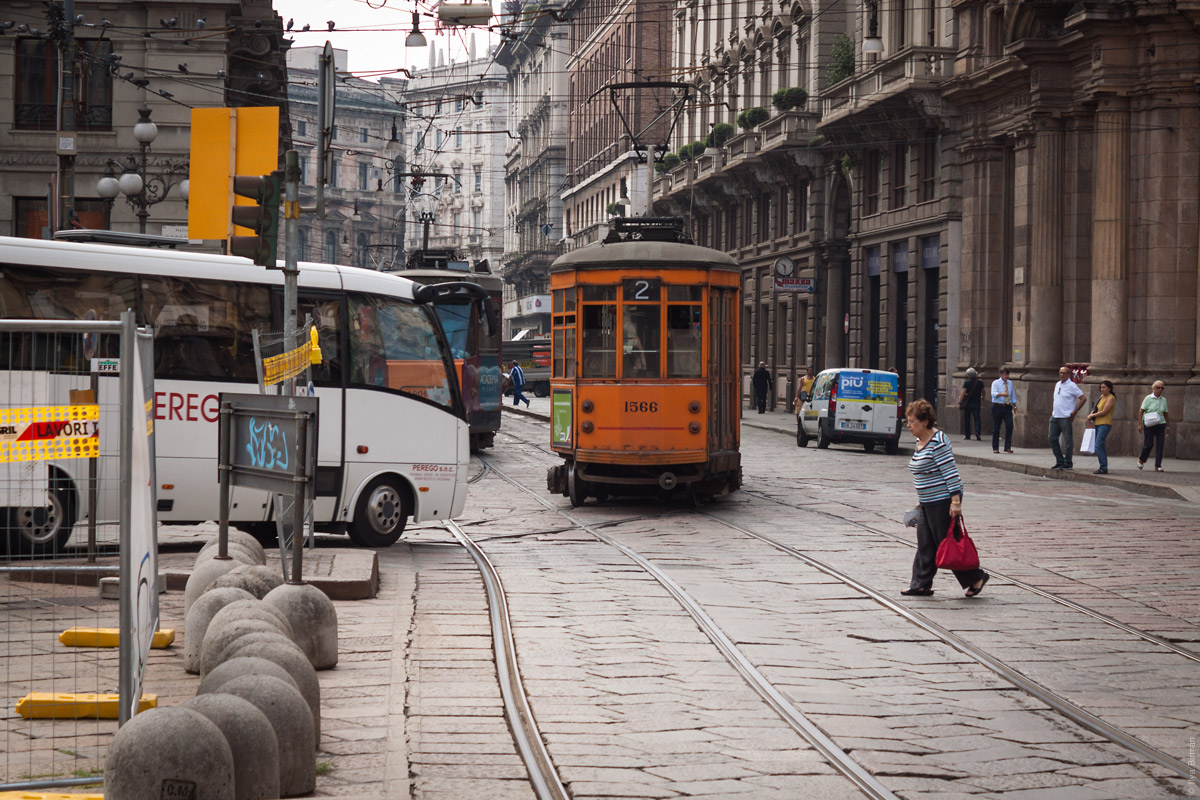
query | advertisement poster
(560,416)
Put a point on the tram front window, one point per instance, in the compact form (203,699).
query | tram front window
(640,342)
(683,341)
(599,341)
(456,321)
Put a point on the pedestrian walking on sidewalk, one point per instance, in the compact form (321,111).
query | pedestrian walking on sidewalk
(804,391)
(517,376)
(939,500)
(970,400)
(1068,399)
(1004,402)
(1153,424)
(1102,417)
(762,384)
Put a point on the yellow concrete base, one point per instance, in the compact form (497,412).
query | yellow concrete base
(42,796)
(110,637)
(48,705)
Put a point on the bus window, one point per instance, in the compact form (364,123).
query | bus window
(683,341)
(43,293)
(394,344)
(457,320)
(599,341)
(640,343)
(326,315)
(202,328)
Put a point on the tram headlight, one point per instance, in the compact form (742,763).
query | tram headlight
(587,426)
(587,406)
(694,407)
(694,427)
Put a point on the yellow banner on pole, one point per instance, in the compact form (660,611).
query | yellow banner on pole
(45,433)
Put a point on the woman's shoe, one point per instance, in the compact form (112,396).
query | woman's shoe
(1141,464)
(917,592)
(1158,469)
(1100,472)
(975,590)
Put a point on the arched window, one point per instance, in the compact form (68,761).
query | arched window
(330,256)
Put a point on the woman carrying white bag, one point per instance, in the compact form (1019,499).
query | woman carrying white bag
(1102,418)
(1154,424)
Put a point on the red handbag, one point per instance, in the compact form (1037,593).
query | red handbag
(957,552)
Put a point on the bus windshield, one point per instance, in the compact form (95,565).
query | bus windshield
(394,344)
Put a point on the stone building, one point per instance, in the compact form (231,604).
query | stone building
(163,57)
(534,53)
(454,125)
(1080,143)
(366,196)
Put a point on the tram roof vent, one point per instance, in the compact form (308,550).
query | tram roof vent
(647,229)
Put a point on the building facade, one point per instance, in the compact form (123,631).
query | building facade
(366,197)
(454,132)
(162,57)
(534,54)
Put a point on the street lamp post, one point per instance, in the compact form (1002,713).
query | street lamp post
(141,189)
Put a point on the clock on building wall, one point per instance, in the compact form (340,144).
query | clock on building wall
(784,267)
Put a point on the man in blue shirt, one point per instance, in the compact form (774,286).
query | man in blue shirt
(517,376)
(1004,400)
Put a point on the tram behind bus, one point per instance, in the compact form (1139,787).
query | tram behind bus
(473,331)
(644,387)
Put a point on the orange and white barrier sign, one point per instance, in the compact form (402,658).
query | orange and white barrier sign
(45,433)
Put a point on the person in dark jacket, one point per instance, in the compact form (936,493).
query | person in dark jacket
(762,384)
(970,400)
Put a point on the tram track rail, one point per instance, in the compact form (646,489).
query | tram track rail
(842,761)
(1020,584)
(1051,699)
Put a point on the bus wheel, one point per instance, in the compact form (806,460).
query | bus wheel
(382,513)
(576,487)
(42,530)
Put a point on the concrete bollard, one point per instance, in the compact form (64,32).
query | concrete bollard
(203,576)
(239,665)
(270,575)
(165,752)
(313,618)
(217,639)
(270,648)
(288,714)
(237,551)
(251,740)
(244,539)
(242,579)
(253,609)
(200,615)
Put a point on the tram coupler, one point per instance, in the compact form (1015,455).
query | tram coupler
(556,480)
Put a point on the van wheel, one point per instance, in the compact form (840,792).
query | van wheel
(382,512)
(822,437)
(801,435)
(869,447)
(892,447)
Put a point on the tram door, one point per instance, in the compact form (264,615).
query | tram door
(723,369)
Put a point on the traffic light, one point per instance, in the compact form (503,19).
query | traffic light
(262,218)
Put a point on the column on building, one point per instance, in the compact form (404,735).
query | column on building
(1045,258)
(1110,232)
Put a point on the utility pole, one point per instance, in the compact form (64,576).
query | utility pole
(64,209)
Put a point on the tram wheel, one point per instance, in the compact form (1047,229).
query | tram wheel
(576,487)
(692,495)
(600,492)
(382,512)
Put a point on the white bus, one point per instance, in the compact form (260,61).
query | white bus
(392,430)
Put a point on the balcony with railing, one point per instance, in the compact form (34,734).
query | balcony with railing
(914,69)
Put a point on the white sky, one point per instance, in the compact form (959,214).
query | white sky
(374,37)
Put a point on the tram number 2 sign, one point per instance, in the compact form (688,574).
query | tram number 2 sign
(644,290)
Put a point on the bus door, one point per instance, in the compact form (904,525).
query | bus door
(328,311)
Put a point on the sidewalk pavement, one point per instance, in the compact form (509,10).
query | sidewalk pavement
(1179,481)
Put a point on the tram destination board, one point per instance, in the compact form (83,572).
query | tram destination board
(268,441)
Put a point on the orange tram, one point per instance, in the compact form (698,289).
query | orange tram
(644,383)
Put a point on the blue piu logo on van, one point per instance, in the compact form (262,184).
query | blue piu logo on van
(879,387)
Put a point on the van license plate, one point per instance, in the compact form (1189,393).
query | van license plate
(850,425)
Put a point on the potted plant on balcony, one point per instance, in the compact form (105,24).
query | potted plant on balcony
(720,134)
(787,99)
(841,60)
(669,162)
(615,209)
(752,117)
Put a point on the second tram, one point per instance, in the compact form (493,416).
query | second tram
(644,388)
(474,337)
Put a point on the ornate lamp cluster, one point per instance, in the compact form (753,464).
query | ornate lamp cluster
(140,188)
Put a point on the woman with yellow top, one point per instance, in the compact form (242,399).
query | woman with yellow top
(1102,417)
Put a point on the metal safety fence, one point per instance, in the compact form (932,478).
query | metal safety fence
(76,506)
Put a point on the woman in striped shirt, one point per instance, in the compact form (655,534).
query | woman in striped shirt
(939,494)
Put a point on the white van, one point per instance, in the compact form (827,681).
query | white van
(861,406)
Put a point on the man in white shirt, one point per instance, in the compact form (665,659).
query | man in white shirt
(1068,399)
(1004,400)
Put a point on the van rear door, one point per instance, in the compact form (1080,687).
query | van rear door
(854,407)
(884,389)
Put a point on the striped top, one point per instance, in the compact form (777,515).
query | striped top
(934,472)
